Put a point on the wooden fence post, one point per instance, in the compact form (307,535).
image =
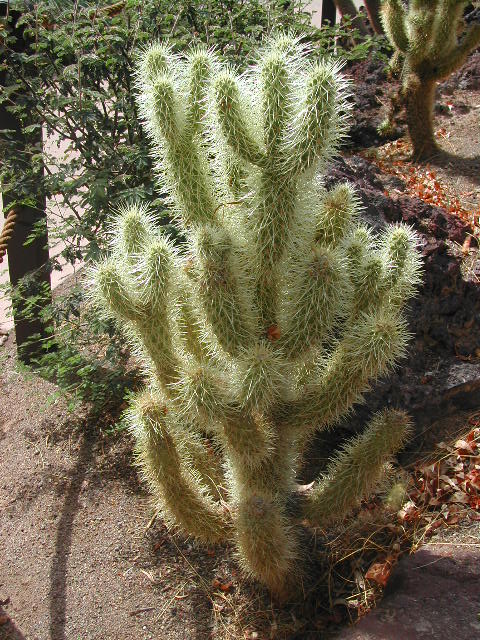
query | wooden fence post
(329,12)
(28,262)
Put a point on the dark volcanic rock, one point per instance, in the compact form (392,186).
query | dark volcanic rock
(442,371)
(369,86)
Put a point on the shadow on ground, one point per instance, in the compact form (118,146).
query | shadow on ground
(465,167)
(9,630)
(63,542)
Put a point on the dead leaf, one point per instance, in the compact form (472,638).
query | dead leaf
(273,333)
(465,448)
(380,572)
(223,586)
(473,479)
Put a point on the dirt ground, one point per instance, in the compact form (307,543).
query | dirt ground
(79,557)
(76,561)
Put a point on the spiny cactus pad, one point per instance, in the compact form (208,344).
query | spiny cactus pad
(274,316)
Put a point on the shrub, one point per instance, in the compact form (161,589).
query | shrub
(270,321)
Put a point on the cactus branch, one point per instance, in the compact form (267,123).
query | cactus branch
(274,315)
(355,471)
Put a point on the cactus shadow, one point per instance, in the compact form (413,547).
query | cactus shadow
(456,165)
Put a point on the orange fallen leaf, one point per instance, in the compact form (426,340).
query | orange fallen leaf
(473,479)
(379,572)
(223,586)
(465,448)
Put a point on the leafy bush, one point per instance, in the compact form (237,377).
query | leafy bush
(77,81)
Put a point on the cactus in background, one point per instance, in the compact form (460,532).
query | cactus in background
(272,319)
(431,40)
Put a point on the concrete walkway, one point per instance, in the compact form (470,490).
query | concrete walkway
(433,595)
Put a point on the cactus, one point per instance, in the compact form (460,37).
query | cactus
(272,318)
(431,40)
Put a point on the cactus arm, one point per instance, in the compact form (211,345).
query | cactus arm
(370,287)
(319,127)
(339,208)
(200,64)
(190,329)
(261,377)
(266,540)
(369,350)
(146,311)
(235,174)
(447,17)
(173,132)
(222,291)
(317,297)
(276,95)
(232,115)
(394,22)
(267,543)
(110,285)
(355,472)
(182,498)
(420,18)
(200,456)
(468,43)
(248,438)
(403,265)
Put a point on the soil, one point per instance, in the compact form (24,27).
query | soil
(81,559)
(76,558)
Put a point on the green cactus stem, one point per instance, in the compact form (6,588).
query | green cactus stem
(273,318)
(431,40)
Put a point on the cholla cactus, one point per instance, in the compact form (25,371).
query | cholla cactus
(271,321)
(431,40)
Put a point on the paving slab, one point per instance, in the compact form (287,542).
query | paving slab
(433,595)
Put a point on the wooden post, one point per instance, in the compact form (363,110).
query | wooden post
(27,262)
(329,12)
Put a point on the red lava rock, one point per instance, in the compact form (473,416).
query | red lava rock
(432,594)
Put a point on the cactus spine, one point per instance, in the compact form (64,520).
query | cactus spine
(272,320)
(431,40)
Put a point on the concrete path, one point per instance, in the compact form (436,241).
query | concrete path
(433,595)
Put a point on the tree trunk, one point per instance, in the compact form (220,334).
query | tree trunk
(419,101)
(347,8)
(373,12)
